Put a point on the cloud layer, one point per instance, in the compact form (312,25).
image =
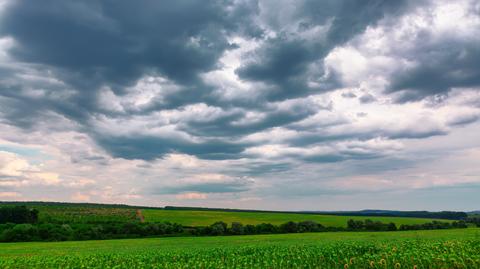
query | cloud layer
(239,102)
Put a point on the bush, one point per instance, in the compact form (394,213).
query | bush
(218,228)
(289,227)
(237,228)
(309,226)
(265,228)
(18,214)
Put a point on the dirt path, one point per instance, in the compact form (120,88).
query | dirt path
(140,216)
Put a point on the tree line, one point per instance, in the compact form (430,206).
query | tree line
(20,223)
(18,214)
(475,220)
(369,225)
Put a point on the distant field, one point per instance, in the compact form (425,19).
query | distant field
(75,213)
(69,213)
(423,249)
(204,218)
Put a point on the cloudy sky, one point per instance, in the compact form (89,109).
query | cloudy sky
(268,104)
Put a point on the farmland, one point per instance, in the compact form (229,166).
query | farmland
(81,213)
(98,213)
(203,218)
(85,214)
(423,249)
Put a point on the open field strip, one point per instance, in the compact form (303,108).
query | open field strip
(204,218)
(423,249)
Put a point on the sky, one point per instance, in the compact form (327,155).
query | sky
(268,104)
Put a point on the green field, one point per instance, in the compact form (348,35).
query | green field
(204,218)
(74,213)
(69,214)
(423,249)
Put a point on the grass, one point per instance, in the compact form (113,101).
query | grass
(204,218)
(425,249)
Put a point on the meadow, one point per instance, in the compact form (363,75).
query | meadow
(204,218)
(408,249)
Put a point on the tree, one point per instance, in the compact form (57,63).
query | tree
(355,224)
(218,228)
(308,226)
(237,228)
(392,227)
(289,227)
(18,214)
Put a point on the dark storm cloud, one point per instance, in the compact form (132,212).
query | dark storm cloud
(116,42)
(283,61)
(353,133)
(90,44)
(441,68)
(152,147)
(230,124)
(263,168)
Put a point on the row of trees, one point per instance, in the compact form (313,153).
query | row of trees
(221,228)
(474,220)
(62,232)
(434,225)
(237,228)
(18,214)
(369,225)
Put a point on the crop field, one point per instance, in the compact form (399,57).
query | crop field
(204,218)
(412,249)
(73,213)
(69,214)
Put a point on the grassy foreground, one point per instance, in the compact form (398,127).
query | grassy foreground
(412,249)
(204,218)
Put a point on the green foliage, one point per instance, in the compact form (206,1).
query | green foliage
(425,249)
(18,214)
(475,220)
(84,231)
(435,225)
